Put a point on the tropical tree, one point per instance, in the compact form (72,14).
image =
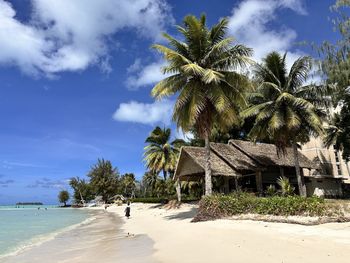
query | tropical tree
(285,111)
(104,179)
(82,190)
(128,184)
(335,65)
(338,130)
(160,188)
(63,197)
(335,57)
(161,154)
(149,181)
(203,75)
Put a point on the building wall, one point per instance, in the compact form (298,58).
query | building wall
(324,187)
(335,170)
(332,162)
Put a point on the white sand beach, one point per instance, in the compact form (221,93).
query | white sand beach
(176,239)
(154,234)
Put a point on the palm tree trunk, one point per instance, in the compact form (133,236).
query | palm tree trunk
(164,175)
(300,178)
(208,183)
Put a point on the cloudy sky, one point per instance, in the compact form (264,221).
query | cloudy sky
(76,77)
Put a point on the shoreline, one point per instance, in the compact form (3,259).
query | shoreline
(157,235)
(98,239)
(41,239)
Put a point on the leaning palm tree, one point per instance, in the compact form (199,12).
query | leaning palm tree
(161,154)
(285,111)
(202,68)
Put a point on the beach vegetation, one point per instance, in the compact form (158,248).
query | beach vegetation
(271,190)
(127,185)
(237,203)
(334,61)
(160,154)
(82,190)
(286,110)
(286,188)
(63,197)
(204,75)
(104,179)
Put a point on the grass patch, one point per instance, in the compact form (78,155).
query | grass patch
(219,206)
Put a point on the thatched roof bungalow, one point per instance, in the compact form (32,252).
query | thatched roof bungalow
(252,166)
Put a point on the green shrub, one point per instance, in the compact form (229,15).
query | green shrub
(286,187)
(271,190)
(217,206)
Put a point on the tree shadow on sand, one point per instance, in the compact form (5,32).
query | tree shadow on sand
(183,215)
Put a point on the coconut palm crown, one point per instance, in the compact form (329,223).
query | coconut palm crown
(202,67)
(286,111)
(161,154)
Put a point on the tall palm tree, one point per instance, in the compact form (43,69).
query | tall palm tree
(161,154)
(204,78)
(285,111)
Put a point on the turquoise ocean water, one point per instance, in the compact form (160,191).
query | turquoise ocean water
(26,226)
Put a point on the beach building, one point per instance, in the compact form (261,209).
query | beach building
(254,166)
(333,174)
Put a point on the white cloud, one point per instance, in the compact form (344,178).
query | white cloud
(70,35)
(186,136)
(249,25)
(145,113)
(148,75)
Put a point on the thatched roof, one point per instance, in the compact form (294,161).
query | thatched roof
(192,162)
(266,154)
(235,158)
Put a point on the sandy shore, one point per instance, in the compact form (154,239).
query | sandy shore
(176,239)
(99,240)
(154,234)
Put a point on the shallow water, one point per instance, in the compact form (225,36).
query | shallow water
(26,226)
(97,240)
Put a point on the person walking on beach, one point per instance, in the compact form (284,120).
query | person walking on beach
(127,210)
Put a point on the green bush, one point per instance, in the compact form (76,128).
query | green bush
(271,190)
(217,206)
(286,187)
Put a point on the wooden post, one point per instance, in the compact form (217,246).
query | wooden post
(226,184)
(259,183)
(178,190)
(236,183)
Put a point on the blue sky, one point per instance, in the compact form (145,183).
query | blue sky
(76,77)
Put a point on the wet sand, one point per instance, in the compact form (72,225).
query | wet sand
(100,240)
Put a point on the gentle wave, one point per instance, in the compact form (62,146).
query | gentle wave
(40,239)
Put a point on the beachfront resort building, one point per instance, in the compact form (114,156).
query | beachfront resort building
(254,166)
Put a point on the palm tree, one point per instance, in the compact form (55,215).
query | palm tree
(203,75)
(104,179)
(128,184)
(149,181)
(161,154)
(285,111)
